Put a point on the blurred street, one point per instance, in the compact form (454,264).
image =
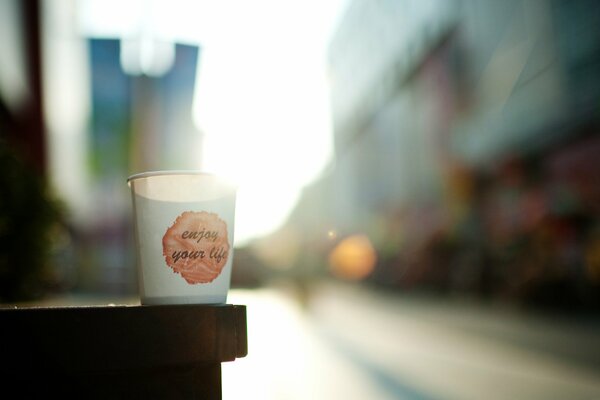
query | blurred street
(355,343)
(417,212)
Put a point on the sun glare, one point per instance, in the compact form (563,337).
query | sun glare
(262,106)
(261,97)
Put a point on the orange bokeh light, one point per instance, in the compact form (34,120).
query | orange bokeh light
(353,258)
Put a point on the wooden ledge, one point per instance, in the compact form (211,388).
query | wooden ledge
(115,339)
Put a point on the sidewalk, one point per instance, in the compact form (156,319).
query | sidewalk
(420,347)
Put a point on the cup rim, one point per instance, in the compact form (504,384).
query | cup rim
(178,172)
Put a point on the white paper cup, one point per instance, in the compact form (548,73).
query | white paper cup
(183,222)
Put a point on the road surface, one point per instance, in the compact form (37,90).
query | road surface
(355,343)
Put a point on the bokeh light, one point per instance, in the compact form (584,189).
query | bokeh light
(353,258)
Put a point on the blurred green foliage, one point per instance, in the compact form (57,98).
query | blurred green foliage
(28,218)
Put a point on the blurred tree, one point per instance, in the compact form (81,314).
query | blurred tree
(28,216)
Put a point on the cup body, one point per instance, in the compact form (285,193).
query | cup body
(183,223)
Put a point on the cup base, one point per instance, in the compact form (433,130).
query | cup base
(183,300)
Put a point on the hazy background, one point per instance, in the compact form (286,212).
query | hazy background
(405,167)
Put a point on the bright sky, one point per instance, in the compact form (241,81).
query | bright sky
(261,95)
(263,105)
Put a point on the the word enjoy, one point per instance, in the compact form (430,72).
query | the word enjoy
(199,235)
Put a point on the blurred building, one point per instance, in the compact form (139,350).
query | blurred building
(467,147)
(118,101)
(138,123)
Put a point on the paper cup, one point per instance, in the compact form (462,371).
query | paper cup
(183,222)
